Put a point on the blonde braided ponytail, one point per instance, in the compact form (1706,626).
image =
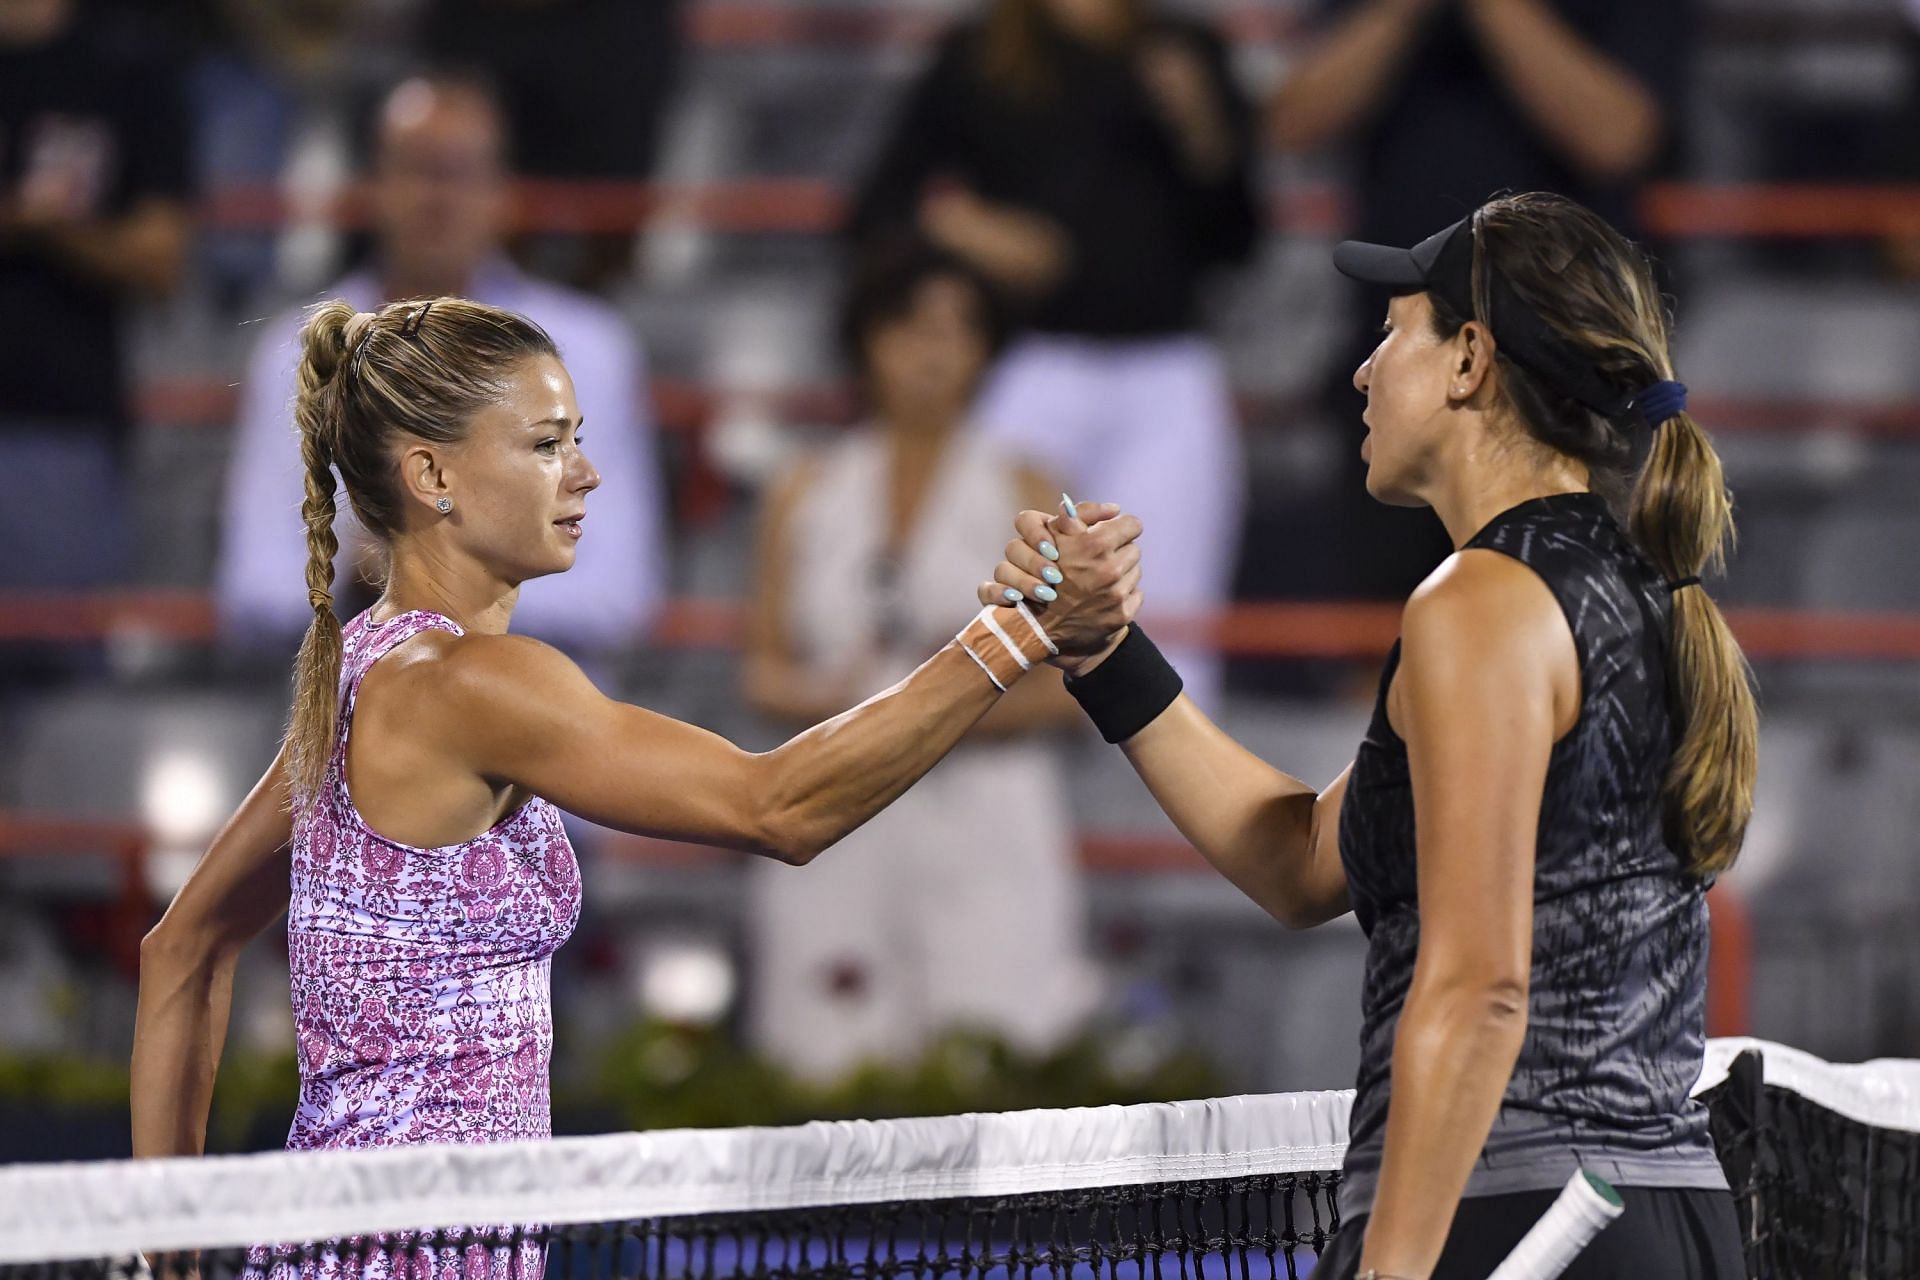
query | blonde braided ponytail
(328,341)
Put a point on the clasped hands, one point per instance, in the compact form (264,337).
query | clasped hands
(1087,557)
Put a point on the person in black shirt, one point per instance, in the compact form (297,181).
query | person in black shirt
(1445,103)
(585,84)
(1094,159)
(1561,759)
(93,178)
(1902,158)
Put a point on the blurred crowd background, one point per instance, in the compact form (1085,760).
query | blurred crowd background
(843,284)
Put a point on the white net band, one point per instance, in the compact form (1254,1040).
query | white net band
(59,1212)
(65,1211)
(1884,1092)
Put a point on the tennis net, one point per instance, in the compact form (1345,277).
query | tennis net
(1825,1162)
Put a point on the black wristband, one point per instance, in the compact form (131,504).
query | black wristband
(1125,693)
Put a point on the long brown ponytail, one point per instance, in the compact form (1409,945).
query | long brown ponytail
(1597,292)
(1682,518)
(415,368)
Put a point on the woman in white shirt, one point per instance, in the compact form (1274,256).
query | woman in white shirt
(961,906)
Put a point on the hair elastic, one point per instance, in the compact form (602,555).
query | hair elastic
(1681,584)
(1659,402)
(357,348)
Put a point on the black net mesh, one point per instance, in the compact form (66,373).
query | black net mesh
(1819,1195)
(1254,1228)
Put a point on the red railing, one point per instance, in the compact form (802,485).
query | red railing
(126,845)
(681,405)
(1109,853)
(814,206)
(1262,629)
(1729,964)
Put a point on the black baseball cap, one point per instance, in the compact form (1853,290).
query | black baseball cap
(1442,265)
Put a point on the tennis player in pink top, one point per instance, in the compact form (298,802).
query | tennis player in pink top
(414,806)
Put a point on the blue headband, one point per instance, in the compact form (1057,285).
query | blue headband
(1660,401)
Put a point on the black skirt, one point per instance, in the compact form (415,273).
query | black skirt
(1665,1234)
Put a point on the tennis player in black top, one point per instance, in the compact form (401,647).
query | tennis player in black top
(1560,760)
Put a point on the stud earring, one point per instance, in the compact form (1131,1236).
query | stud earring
(443,505)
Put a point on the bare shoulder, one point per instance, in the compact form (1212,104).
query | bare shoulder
(480,670)
(1483,630)
(465,690)
(1481,599)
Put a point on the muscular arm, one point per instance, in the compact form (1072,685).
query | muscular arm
(1601,117)
(1488,680)
(1273,836)
(1038,703)
(521,711)
(240,887)
(1348,74)
(509,708)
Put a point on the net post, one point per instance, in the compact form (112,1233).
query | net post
(1739,1126)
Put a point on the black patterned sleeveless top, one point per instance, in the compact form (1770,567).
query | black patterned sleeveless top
(1617,1004)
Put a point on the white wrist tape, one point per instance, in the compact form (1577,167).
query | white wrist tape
(1005,655)
(1026,615)
(980,662)
(1006,641)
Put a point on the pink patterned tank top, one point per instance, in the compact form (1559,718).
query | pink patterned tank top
(420,976)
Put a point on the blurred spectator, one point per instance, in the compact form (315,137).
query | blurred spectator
(960,905)
(1902,152)
(279,94)
(1095,158)
(1444,103)
(585,84)
(93,184)
(1448,101)
(439,194)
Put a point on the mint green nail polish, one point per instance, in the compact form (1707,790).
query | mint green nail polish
(1052,575)
(1068,504)
(1048,594)
(1050,551)
(1012,596)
